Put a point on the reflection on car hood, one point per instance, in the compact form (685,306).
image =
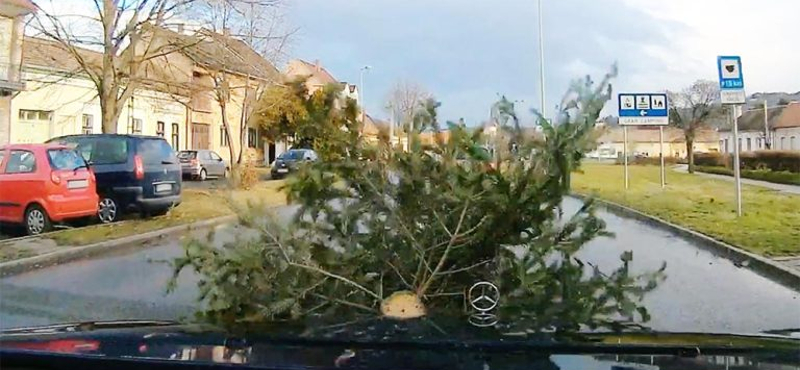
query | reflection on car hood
(420,343)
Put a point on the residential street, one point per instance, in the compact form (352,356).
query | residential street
(701,293)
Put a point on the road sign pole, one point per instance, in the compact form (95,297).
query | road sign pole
(661,149)
(625,153)
(736,171)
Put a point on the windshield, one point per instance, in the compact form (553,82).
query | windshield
(187,155)
(292,155)
(424,172)
(99,150)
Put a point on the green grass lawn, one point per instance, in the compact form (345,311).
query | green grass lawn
(196,205)
(770,225)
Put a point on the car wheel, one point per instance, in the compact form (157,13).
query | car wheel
(36,220)
(203,175)
(107,210)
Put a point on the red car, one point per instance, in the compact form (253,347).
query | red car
(44,183)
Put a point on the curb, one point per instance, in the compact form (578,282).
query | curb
(71,254)
(759,264)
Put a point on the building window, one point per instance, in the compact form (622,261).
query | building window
(160,128)
(749,145)
(726,146)
(758,143)
(783,142)
(35,115)
(175,136)
(224,140)
(87,124)
(252,138)
(792,145)
(135,126)
(722,145)
(740,144)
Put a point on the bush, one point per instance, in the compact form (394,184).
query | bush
(778,177)
(652,161)
(775,160)
(244,176)
(710,159)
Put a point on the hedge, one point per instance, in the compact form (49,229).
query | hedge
(779,177)
(775,160)
(655,161)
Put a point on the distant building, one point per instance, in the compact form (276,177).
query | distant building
(645,141)
(782,130)
(317,77)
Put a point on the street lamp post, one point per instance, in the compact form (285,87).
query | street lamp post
(541,63)
(361,93)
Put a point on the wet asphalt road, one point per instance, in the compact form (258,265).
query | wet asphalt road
(702,292)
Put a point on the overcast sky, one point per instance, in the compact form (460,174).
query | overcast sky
(467,51)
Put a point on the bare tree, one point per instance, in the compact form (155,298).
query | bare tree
(118,29)
(260,25)
(690,110)
(405,100)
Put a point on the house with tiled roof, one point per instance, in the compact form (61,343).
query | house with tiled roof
(645,141)
(778,129)
(176,98)
(210,65)
(317,77)
(60,99)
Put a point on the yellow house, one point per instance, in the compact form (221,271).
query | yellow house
(60,100)
(215,69)
(645,141)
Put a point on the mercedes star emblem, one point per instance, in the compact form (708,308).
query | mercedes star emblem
(483,296)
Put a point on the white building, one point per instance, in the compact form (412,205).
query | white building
(12,23)
(782,130)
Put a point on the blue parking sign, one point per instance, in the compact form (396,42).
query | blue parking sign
(731,79)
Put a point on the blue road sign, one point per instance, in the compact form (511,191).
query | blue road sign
(731,79)
(643,109)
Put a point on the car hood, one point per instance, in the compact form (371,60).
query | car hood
(379,343)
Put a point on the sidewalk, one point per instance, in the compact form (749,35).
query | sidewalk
(786,188)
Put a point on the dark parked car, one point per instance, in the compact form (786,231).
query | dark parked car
(290,161)
(134,173)
(202,164)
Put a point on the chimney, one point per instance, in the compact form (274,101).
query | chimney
(180,28)
(317,66)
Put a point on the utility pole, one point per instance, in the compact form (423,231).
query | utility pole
(543,105)
(766,127)
(362,96)
(391,125)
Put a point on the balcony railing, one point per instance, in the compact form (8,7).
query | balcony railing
(10,77)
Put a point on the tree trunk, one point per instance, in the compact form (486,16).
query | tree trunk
(110,111)
(223,107)
(690,153)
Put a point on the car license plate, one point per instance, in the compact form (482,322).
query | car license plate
(283,170)
(77,184)
(160,188)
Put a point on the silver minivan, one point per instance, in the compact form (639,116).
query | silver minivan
(201,164)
